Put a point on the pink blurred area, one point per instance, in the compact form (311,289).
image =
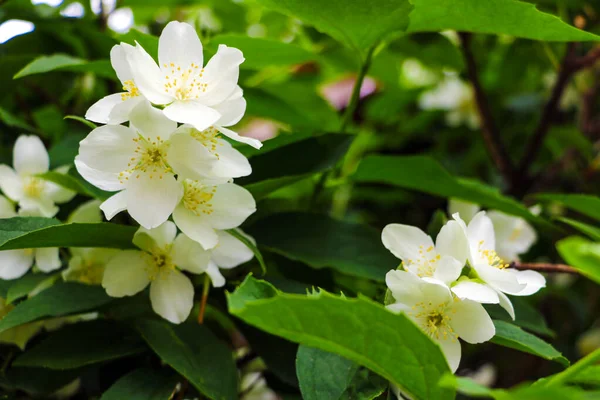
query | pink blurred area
(261,129)
(338,93)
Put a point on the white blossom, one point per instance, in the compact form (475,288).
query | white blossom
(159,263)
(456,98)
(35,196)
(443,317)
(203,97)
(229,253)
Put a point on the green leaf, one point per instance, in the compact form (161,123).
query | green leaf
(261,53)
(465,386)
(588,376)
(527,316)
(58,300)
(148,42)
(506,17)
(143,384)
(82,344)
(426,175)
(193,351)
(582,254)
(35,232)
(14,122)
(72,182)
(262,189)
(63,62)
(25,285)
(361,26)
(582,203)
(248,243)
(322,242)
(357,329)
(591,231)
(512,336)
(84,121)
(322,374)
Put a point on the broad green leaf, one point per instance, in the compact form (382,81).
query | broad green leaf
(322,242)
(63,62)
(322,374)
(143,384)
(591,231)
(360,26)
(582,203)
(38,381)
(262,189)
(193,351)
(248,243)
(588,376)
(582,254)
(357,329)
(13,121)
(26,284)
(426,175)
(58,300)
(527,316)
(261,53)
(465,386)
(82,344)
(506,17)
(268,106)
(512,336)
(78,185)
(34,232)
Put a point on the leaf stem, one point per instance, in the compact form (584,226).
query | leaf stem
(205,290)
(355,98)
(544,267)
(564,376)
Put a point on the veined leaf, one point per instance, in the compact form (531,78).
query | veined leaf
(591,231)
(582,254)
(388,344)
(582,203)
(143,384)
(63,62)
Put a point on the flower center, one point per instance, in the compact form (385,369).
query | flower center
(434,320)
(491,257)
(426,263)
(131,90)
(209,138)
(91,273)
(150,157)
(33,187)
(197,198)
(162,263)
(184,83)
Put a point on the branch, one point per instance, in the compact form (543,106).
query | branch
(491,135)
(543,267)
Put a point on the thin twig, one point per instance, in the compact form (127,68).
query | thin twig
(355,98)
(544,267)
(205,289)
(491,135)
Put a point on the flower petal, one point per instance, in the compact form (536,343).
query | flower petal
(224,65)
(471,322)
(126,273)
(10,183)
(452,352)
(7,208)
(231,111)
(217,279)
(121,111)
(189,255)
(109,181)
(108,148)
(232,204)
(118,60)
(532,280)
(192,112)
(147,75)
(405,286)
(100,111)
(179,44)
(500,279)
(114,205)
(452,241)
(150,201)
(405,241)
(478,292)
(231,163)
(465,209)
(157,238)
(238,138)
(151,122)
(15,263)
(172,296)
(506,304)
(448,269)
(231,252)
(480,232)
(30,156)
(47,259)
(188,157)
(196,227)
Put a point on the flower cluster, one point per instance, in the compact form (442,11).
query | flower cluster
(441,286)
(169,160)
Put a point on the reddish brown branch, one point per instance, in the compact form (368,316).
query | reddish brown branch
(491,135)
(543,267)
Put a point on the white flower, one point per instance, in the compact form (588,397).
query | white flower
(457,98)
(115,108)
(443,261)
(134,161)
(15,263)
(7,208)
(219,161)
(35,196)
(206,208)
(465,209)
(253,386)
(227,254)
(492,271)
(191,94)
(158,265)
(443,317)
